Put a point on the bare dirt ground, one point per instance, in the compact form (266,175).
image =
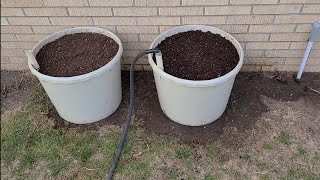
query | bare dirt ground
(270,130)
(14,88)
(245,107)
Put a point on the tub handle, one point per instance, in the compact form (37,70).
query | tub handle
(32,60)
(159,61)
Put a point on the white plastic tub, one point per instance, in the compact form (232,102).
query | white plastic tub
(85,98)
(194,103)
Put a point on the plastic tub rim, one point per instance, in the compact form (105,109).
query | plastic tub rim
(83,77)
(197,83)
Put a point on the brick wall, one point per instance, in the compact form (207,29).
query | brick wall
(274,33)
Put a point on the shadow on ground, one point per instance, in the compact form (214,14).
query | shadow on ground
(14,88)
(244,108)
(270,130)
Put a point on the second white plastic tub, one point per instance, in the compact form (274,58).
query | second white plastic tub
(85,98)
(194,103)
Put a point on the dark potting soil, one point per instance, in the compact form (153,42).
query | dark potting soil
(76,54)
(197,55)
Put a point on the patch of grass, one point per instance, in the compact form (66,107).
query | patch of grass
(162,143)
(265,177)
(27,137)
(49,145)
(170,173)
(315,160)
(223,158)
(57,165)
(23,142)
(37,101)
(262,165)
(183,152)
(84,146)
(14,135)
(238,175)
(16,128)
(191,178)
(127,147)
(213,149)
(28,159)
(281,158)
(106,146)
(134,169)
(245,157)
(109,146)
(292,174)
(299,174)
(301,152)
(284,138)
(268,145)
(209,176)
(219,152)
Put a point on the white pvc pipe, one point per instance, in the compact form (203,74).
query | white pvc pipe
(314,35)
(304,60)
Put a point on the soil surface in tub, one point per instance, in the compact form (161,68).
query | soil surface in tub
(76,54)
(197,55)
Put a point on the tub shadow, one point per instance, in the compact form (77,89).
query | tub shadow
(244,107)
(232,128)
